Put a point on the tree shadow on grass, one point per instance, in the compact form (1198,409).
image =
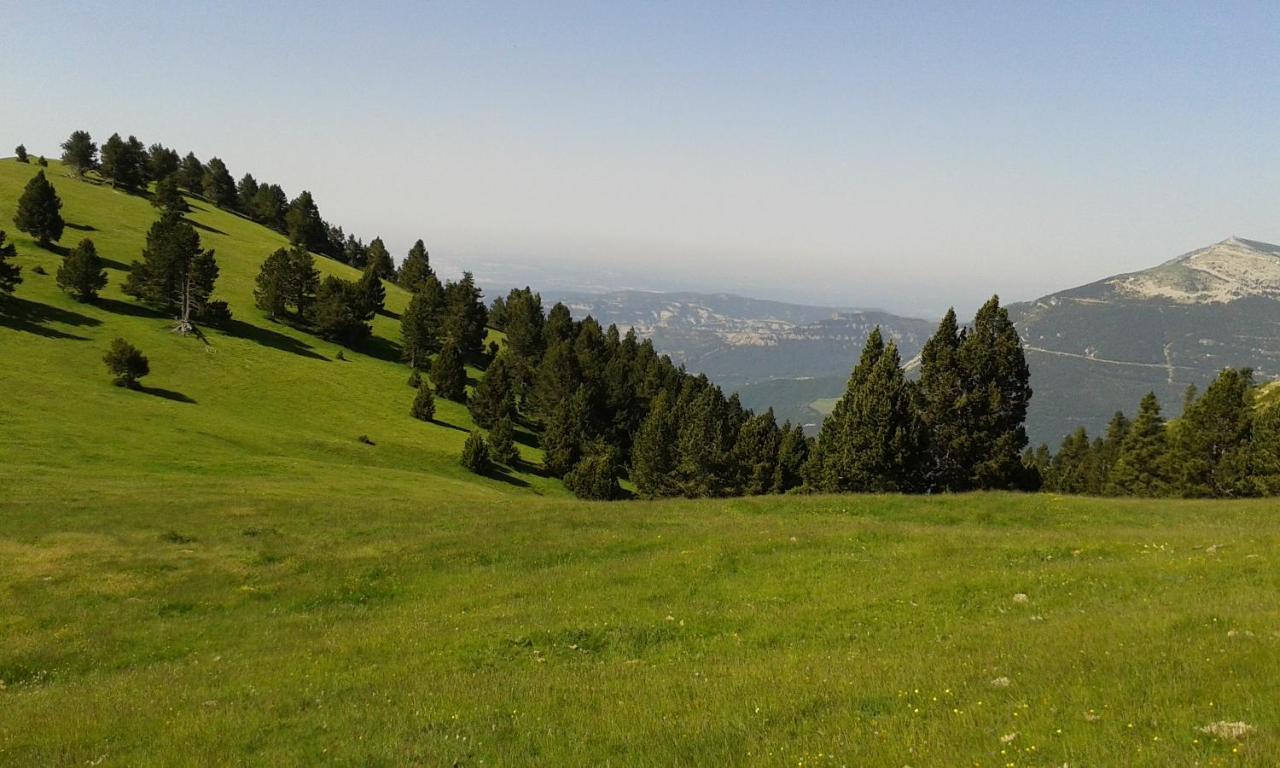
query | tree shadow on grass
(269,338)
(32,317)
(81,227)
(382,349)
(498,472)
(447,425)
(167,394)
(129,308)
(205,227)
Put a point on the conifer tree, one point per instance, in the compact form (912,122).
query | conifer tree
(175,274)
(167,196)
(124,162)
(126,364)
(498,314)
(424,403)
(246,193)
(10,274)
(494,396)
(302,280)
(466,316)
(191,174)
(415,269)
(270,206)
(558,327)
(502,444)
(995,366)
(1109,450)
(80,153)
(303,224)
(1142,466)
(1071,469)
(871,442)
(565,435)
(418,335)
(475,454)
(1210,451)
(374,293)
(339,313)
(793,453)
(523,325)
(448,374)
(38,211)
(218,184)
(595,476)
(20,154)
(271,290)
(755,454)
(653,451)
(556,379)
(379,260)
(81,273)
(162,162)
(703,442)
(942,399)
(1264,452)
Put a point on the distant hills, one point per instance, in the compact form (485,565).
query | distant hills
(1093,349)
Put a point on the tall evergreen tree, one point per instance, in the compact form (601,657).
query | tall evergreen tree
(419,337)
(246,193)
(80,153)
(1000,393)
(339,312)
(755,454)
(175,274)
(162,162)
(303,281)
(566,435)
(1142,468)
(218,184)
(1264,451)
(558,327)
(595,476)
(653,456)
(375,294)
(81,273)
(466,316)
(38,211)
(555,381)
(448,374)
(10,274)
(1109,451)
(167,196)
(872,442)
(494,396)
(415,269)
(424,404)
(1072,468)
(379,260)
(793,453)
(942,399)
(20,154)
(124,162)
(270,206)
(523,325)
(271,291)
(191,174)
(303,223)
(1211,446)
(502,443)
(703,443)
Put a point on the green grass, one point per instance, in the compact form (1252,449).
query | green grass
(237,581)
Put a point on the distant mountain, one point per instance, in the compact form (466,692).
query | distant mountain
(1099,347)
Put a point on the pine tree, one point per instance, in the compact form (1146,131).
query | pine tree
(271,291)
(338,312)
(270,206)
(1211,445)
(126,364)
(20,154)
(1071,469)
(448,374)
(565,435)
(303,280)
(218,184)
(374,293)
(124,162)
(466,316)
(494,396)
(379,260)
(167,196)
(418,335)
(872,442)
(38,211)
(424,404)
(1109,451)
(996,369)
(703,443)
(475,454)
(174,274)
(246,193)
(162,162)
(81,273)
(191,174)
(755,454)
(941,407)
(502,445)
(80,153)
(303,224)
(1264,451)
(558,327)
(523,325)
(1142,467)
(10,274)
(415,269)
(556,380)
(793,453)
(653,451)
(595,476)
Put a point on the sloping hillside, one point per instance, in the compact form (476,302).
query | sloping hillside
(1101,346)
(261,399)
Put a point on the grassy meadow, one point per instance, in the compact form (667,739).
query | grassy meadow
(214,571)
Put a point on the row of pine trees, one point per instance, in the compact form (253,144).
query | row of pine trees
(1223,446)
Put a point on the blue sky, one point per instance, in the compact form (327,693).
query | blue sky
(908,156)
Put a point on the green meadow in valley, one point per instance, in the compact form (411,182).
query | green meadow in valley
(215,570)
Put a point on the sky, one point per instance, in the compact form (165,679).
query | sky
(908,156)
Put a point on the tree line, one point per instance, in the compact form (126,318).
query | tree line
(1223,446)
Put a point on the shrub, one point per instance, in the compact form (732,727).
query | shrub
(126,364)
(424,404)
(502,446)
(81,273)
(475,454)
(21,154)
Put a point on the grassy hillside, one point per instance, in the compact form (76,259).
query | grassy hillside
(263,400)
(215,572)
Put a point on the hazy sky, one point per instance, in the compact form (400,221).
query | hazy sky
(901,155)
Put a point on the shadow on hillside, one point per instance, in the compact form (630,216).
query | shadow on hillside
(269,338)
(497,472)
(129,308)
(206,227)
(446,424)
(167,394)
(31,317)
(61,250)
(388,313)
(81,227)
(382,349)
